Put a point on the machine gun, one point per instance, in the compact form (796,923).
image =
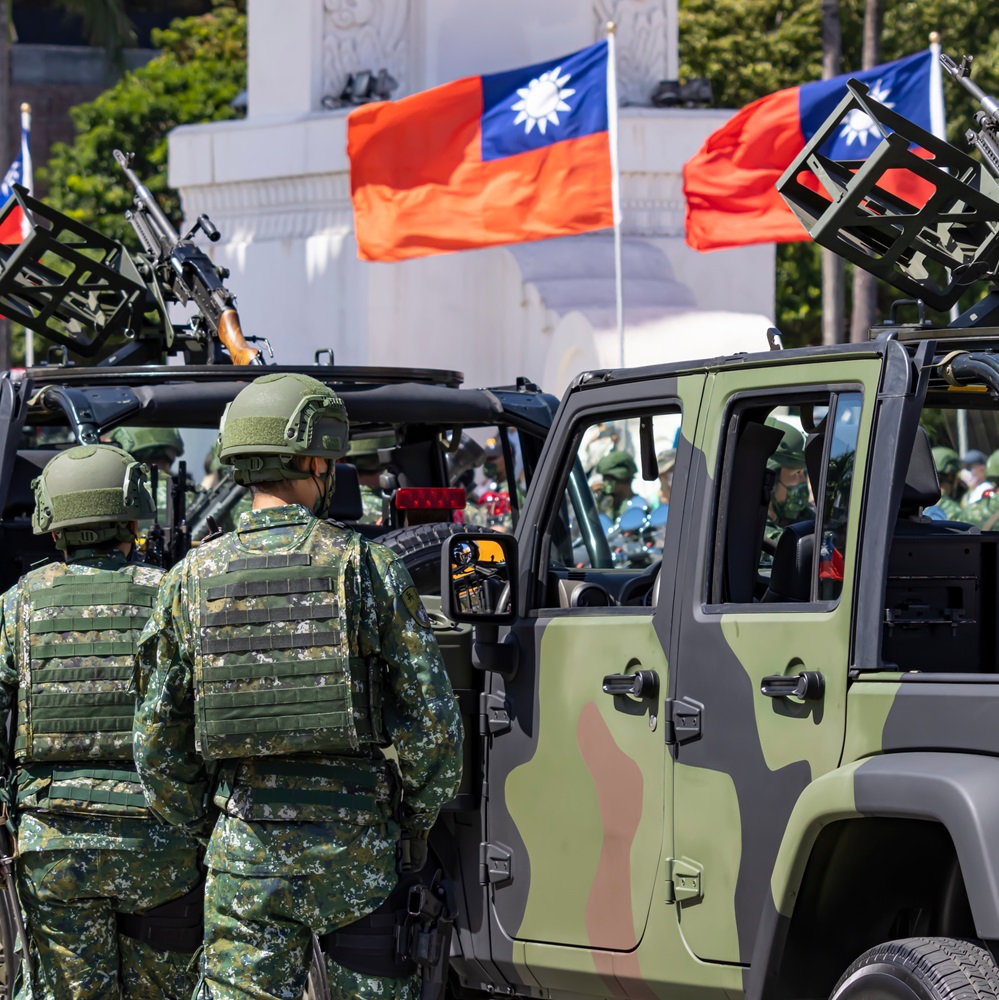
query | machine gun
(986,139)
(932,244)
(90,295)
(185,272)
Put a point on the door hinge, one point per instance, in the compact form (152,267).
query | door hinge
(494,714)
(683,880)
(683,720)
(495,864)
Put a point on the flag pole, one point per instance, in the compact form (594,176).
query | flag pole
(27,179)
(938,126)
(615,185)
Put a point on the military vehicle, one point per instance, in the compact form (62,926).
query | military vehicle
(752,768)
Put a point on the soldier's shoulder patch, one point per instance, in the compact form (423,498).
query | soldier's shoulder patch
(411,599)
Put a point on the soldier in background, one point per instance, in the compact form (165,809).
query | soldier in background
(984,512)
(160,447)
(91,856)
(617,470)
(974,476)
(789,500)
(363,455)
(948,466)
(285,654)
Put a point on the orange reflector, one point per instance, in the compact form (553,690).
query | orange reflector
(430,498)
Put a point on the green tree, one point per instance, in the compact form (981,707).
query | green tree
(750,48)
(201,68)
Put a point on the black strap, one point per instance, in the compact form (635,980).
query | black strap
(175,926)
(276,561)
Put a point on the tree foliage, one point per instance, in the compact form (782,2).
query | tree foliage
(201,68)
(750,48)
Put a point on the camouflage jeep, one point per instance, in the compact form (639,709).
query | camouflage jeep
(767,763)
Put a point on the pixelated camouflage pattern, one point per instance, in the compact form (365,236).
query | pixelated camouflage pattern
(952,509)
(983,513)
(371,503)
(259,929)
(71,888)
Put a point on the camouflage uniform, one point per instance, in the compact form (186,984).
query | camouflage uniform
(321,852)
(79,862)
(371,501)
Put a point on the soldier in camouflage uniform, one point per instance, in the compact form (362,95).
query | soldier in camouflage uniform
(985,512)
(363,455)
(285,654)
(948,466)
(789,501)
(89,850)
(159,446)
(618,469)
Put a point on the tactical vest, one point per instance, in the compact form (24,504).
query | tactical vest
(274,673)
(82,634)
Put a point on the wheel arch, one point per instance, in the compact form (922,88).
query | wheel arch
(935,810)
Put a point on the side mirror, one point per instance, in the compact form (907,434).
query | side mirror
(479,578)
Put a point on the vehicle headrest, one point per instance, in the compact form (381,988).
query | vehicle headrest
(346,504)
(791,572)
(922,487)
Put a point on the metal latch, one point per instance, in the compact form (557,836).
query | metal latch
(495,864)
(683,880)
(683,720)
(494,714)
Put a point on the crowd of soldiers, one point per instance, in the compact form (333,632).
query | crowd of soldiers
(199,779)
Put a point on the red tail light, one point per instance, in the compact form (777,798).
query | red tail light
(430,498)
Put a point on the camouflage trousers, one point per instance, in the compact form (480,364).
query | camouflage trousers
(258,930)
(70,898)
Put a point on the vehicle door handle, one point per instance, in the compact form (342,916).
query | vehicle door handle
(809,685)
(641,684)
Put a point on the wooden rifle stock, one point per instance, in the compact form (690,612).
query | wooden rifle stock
(232,336)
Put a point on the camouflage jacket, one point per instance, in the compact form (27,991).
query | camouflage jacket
(95,824)
(982,513)
(385,618)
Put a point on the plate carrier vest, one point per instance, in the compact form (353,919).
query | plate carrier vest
(79,700)
(275,673)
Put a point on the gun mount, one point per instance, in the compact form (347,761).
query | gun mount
(932,250)
(87,293)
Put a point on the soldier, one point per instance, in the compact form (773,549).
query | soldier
(789,500)
(948,466)
(618,469)
(666,461)
(159,446)
(91,856)
(363,455)
(974,476)
(285,654)
(984,512)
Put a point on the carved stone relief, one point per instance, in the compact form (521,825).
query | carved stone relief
(364,34)
(642,44)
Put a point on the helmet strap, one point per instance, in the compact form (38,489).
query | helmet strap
(321,507)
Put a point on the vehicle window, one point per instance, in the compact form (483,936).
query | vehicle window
(784,497)
(610,516)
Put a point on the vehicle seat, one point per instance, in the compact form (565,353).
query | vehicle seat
(922,489)
(791,572)
(346,504)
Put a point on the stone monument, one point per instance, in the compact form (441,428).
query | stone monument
(277,185)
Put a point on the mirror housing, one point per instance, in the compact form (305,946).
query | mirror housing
(479,582)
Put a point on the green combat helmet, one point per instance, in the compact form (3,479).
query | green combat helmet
(89,495)
(790,453)
(947,461)
(617,465)
(363,452)
(148,443)
(277,418)
(992,467)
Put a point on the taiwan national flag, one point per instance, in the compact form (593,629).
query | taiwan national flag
(486,160)
(14,226)
(729,183)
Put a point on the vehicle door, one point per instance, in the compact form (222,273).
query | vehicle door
(577,774)
(763,609)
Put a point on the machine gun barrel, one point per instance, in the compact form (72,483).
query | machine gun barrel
(962,73)
(145,201)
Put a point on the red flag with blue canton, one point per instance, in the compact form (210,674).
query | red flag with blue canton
(485,160)
(13,225)
(730,183)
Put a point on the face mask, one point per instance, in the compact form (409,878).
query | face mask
(490,471)
(794,504)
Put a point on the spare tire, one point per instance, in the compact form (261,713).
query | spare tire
(420,548)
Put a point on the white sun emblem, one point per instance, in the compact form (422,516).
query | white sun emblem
(859,124)
(541,100)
